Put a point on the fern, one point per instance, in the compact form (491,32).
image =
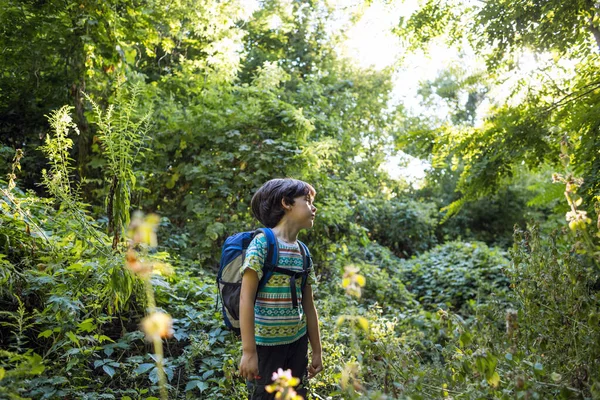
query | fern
(122,135)
(11,205)
(547,193)
(58,181)
(18,322)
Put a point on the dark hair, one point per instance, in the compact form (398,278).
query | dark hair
(266,202)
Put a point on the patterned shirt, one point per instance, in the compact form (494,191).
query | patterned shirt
(275,320)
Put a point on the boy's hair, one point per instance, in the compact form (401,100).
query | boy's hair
(266,202)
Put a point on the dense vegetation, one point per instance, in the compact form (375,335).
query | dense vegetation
(483,282)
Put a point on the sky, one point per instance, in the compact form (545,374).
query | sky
(371,43)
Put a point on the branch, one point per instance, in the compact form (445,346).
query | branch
(566,99)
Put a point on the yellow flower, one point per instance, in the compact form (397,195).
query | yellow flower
(157,325)
(577,219)
(163,269)
(143,229)
(350,376)
(352,281)
(283,383)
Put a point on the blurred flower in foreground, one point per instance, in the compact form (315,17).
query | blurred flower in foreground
(161,268)
(283,384)
(350,377)
(142,229)
(136,265)
(361,321)
(143,268)
(577,219)
(352,281)
(157,325)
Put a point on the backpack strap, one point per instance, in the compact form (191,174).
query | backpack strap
(293,276)
(271,264)
(307,263)
(271,260)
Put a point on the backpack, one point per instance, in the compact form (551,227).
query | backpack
(229,278)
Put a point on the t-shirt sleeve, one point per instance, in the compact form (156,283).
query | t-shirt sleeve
(255,255)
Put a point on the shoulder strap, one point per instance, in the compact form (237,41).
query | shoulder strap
(306,263)
(271,260)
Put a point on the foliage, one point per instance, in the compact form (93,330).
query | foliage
(457,276)
(545,106)
(503,27)
(70,306)
(557,303)
(402,225)
(57,50)
(121,135)
(235,100)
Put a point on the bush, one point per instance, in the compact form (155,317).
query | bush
(404,226)
(558,291)
(455,275)
(76,303)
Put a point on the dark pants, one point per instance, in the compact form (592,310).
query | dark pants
(286,356)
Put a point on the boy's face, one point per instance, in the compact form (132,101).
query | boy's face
(302,211)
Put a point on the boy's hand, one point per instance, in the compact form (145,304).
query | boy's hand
(249,365)
(315,366)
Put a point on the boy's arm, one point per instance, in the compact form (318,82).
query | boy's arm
(312,325)
(249,362)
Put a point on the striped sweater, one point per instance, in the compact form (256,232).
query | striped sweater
(276,322)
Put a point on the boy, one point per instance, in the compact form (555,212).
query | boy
(275,330)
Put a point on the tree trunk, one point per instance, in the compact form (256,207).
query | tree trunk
(593,28)
(84,140)
(596,33)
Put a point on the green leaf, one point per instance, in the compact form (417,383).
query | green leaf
(494,380)
(86,325)
(45,334)
(103,338)
(465,339)
(37,367)
(153,376)
(143,368)
(202,386)
(191,385)
(73,338)
(109,370)
(130,55)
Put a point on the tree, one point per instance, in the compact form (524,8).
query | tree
(54,51)
(558,105)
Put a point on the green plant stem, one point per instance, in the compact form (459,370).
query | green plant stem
(157,342)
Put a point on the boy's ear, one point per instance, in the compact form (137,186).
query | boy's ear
(285,205)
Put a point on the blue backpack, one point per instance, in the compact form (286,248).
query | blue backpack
(229,278)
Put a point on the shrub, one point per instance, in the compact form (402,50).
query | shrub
(456,274)
(404,226)
(558,292)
